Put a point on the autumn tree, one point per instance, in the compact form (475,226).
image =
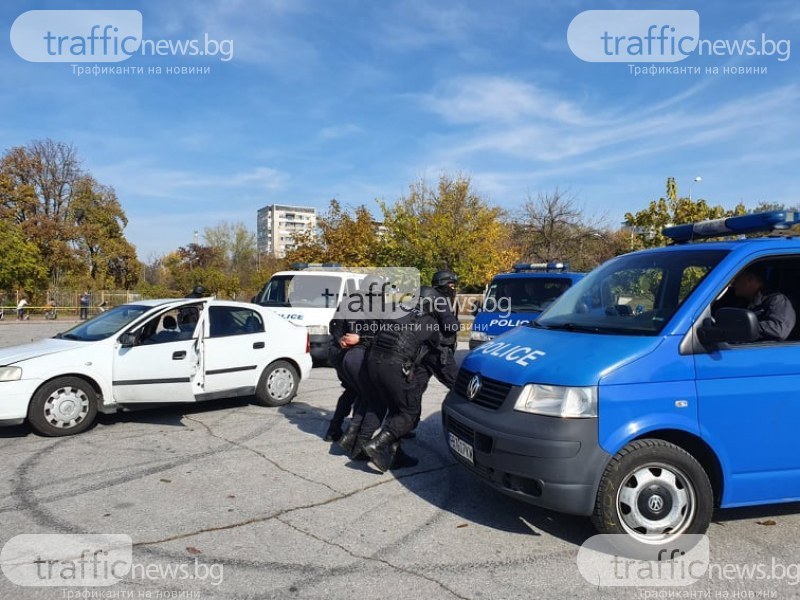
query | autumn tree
(449,226)
(235,245)
(99,221)
(347,238)
(646,225)
(60,209)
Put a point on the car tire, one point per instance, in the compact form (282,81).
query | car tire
(277,384)
(653,490)
(63,406)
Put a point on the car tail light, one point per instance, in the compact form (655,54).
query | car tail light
(308,343)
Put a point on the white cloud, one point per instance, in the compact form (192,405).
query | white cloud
(520,120)
(491,99)
(339,131)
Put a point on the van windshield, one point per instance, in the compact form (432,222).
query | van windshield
(636,294)
(521,294)
(314,291)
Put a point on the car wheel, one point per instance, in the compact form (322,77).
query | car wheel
(63,406)
(653,490)
(278,384)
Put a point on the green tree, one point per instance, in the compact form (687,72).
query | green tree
(646,225)
(449,226)
(20,262)
(237,249)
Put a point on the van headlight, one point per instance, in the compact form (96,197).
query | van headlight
(479,336)
(558,401)
(317,329)
(10,373)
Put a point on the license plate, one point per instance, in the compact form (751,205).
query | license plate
(460,447)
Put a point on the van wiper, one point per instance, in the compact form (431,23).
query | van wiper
(573,327)
(69,336)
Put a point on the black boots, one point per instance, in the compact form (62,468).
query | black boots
(334,432)
(381,449)
(348,439)
(358,447)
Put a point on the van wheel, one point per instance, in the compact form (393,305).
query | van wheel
(63,406)
(278,384)
(653,490)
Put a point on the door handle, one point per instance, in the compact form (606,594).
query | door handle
(258,345)
(179,355)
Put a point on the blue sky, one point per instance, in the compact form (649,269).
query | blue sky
(356,99)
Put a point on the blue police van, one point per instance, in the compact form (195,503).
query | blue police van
(647,394)
(517,298)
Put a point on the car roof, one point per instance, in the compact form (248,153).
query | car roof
(539,274)
(325,272)
(776,242)
(166,301)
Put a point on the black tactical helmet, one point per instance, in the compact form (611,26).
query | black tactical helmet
(197,292)
(443,278)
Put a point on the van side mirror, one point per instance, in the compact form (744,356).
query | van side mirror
(127,340)
(476,308)
(729,325)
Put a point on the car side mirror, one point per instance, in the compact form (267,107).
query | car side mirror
(127,340)
(729,325)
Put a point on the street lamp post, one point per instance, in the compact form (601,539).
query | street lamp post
(696,180)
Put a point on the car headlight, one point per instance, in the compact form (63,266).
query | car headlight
(10,373)
(479,336)
(558,401)
(317,330)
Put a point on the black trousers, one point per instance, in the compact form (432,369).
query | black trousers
(445,370)
(402,400)
(369,409)
(349,394)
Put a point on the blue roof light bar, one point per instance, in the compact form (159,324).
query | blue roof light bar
(549,266)
(765,221)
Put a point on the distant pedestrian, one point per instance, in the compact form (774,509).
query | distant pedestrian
(86,299)
(21,309)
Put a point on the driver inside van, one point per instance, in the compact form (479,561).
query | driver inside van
(774,311)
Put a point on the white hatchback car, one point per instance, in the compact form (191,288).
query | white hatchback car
(153,351)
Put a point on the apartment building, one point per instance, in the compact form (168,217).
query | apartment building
(278,223)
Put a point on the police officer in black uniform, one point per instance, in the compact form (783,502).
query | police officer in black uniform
(359,331)
(338,329)
(441,360)
(393,362)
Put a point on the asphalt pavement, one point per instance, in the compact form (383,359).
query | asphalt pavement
(252,503)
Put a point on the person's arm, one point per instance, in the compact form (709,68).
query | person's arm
(778,318)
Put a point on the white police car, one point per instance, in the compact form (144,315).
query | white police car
(152,351)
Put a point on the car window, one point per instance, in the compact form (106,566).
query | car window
(105,324)
(162,329)
(234,320)
(526,293)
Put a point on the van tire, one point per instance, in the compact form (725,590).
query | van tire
(648,479)
(277,384)
(63,406)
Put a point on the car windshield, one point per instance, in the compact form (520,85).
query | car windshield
(105,324)
(525,293)
(316,291)
(636,294)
